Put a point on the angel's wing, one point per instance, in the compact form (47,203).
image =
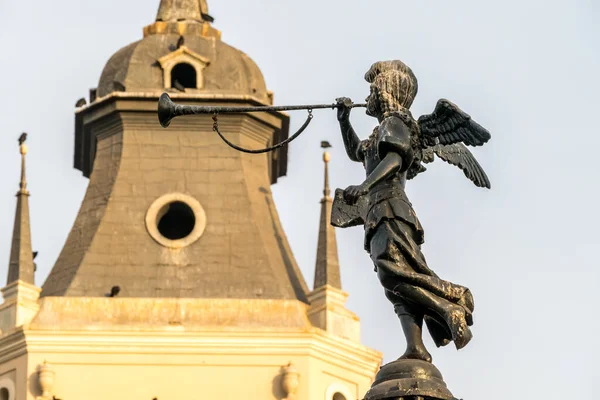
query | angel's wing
(457,154)
(449,124)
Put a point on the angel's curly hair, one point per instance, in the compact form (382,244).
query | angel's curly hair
(396,86)
(394,83)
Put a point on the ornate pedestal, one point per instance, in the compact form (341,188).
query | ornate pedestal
(409,380)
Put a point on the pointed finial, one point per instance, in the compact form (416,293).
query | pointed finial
(326,158)
(327,268)
(183,17)
(182,10)
(23,150)
(21,266)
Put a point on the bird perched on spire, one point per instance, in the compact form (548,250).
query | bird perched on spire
(22,138)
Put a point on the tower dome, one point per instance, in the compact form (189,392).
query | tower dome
(182,53)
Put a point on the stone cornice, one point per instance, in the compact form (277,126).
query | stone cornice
(13,345)
(189,326)
(154,95)
(315,343)
(168,314)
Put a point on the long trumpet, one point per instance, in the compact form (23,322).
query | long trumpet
(167,110)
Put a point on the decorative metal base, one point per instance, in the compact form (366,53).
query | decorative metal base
(409,380)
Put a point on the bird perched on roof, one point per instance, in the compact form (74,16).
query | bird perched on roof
(118,86)
(80,103)
(22,138)
(114,291)
(180,41)
(208,18)
(177,85)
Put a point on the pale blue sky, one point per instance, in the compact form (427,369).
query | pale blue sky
(526,70)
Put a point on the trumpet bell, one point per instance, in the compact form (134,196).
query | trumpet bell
(166,110)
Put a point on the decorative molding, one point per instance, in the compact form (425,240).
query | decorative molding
(290,381)
(13,345)
(46,376)
(22,290)
(226,98)
(20,305)
(341,353)
(327,311)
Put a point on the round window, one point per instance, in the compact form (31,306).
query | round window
(175,220)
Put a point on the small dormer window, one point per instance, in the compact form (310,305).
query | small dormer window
(183,69)
(183,75)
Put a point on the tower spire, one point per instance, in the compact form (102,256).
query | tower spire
(183,10)
(21,265)
(183,17)
(327,268)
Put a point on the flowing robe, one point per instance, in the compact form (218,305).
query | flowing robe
(393,237)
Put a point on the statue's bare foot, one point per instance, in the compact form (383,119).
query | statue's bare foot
(416,353)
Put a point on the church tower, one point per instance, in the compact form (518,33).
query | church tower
(177,279)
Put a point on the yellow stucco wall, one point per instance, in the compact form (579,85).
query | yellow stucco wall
(172,367)
(98,349)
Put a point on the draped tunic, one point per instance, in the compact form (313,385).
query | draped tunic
(394,235)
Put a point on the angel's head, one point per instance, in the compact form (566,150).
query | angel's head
(393,87)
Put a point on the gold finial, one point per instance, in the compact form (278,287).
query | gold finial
(22,145)
(325,145)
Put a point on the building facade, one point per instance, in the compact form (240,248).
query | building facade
(177,280)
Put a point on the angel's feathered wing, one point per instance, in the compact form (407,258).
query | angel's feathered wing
(445,132)
(448,124)
(457,154)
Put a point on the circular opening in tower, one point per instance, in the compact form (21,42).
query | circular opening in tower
(176,220)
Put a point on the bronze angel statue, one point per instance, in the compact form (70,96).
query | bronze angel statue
(392,154)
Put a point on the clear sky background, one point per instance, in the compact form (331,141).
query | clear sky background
(526,70)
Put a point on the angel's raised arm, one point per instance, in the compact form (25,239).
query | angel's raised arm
(352,143)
